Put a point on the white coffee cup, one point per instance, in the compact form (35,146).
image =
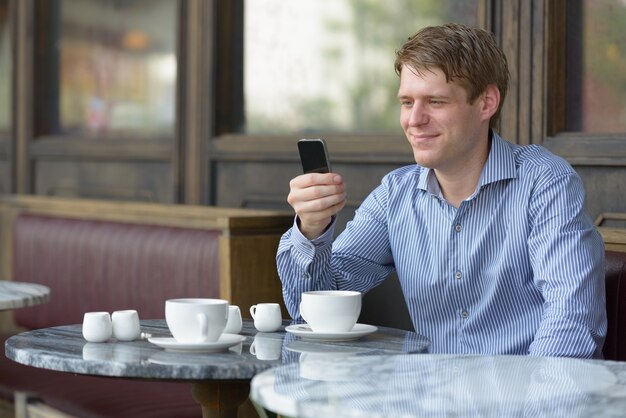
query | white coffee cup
(97,326)
(331,310)
(234,323)
(196,320)
(267,346)
(267,316)
(126,325)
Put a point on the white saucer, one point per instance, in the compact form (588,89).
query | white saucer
(225,341)
(304,331)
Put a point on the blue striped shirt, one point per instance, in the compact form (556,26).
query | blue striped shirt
(518,268)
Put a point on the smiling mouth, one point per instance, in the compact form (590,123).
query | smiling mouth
(423,137)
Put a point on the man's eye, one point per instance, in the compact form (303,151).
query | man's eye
(406,103)
(436,102)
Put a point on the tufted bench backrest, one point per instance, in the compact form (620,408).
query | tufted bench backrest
(111,255)
(105,266)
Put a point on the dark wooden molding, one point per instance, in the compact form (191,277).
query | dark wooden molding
(229,66)
(342,148)
(22,95)
(102,149)
(196,88)
(589,150)
(556,66)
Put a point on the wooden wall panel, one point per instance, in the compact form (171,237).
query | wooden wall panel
(266,185)
(605,187)
(108,180)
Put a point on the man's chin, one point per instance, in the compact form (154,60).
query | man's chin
(423,161)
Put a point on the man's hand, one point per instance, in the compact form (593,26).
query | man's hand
(316,198)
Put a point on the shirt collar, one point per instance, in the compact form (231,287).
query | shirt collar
(500,165)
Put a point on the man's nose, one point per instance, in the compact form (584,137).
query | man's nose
(418,115)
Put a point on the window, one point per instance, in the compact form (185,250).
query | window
(327,65)
(106,68)
(5,68)
(596,66)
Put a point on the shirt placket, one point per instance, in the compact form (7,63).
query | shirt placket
(458,279)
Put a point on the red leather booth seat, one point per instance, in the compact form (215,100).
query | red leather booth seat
(615,344)
(107,266)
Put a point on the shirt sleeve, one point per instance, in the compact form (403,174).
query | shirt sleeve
(567,256)
(359,259)
(299,260)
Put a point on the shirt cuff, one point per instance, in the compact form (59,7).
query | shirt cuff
(309,247)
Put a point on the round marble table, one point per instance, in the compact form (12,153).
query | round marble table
(20,294)
(431,385)
(221,381)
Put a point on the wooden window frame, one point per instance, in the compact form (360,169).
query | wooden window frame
(27,147)
(229,145)
(578,148)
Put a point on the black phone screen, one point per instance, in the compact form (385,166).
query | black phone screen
(313,156)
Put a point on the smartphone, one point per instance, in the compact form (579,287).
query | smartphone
(314,156)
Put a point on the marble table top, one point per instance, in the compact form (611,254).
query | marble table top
(20,294)
(63,348)
(429,385)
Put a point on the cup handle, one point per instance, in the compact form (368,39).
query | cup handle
(301,312)
(204,325)
(253,311)
(252,349)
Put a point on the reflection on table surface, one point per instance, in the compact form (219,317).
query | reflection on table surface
(444,385)
(20,294)
(63,348)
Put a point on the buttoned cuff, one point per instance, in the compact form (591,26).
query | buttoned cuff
(307,247)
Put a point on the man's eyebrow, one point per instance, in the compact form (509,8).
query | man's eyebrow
(427,96)
(438,96)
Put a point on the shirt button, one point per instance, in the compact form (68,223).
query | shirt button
(458,275)
(306,276)
(464,314)
(457,228)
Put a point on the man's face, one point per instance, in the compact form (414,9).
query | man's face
(446,133)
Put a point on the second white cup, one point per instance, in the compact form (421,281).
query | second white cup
(267,316)
(126,325)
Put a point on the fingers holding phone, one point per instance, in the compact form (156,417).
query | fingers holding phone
(318,194)
(316,198)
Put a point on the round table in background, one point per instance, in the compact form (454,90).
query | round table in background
(15,295)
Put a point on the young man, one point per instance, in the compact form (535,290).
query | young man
(492,246)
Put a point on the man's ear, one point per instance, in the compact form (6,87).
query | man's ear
(490,100)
